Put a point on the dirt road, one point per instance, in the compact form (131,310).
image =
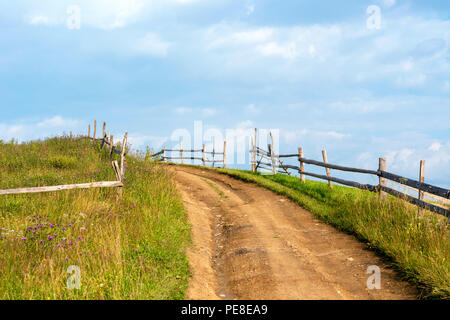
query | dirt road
(249,243)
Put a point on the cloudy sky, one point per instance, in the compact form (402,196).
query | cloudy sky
(362,79)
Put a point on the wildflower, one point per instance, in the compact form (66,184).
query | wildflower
(67,259)
(23,238)
(50,238)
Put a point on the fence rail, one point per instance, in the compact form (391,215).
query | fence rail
(119,170)
(182,157)
(271,161)
(102,184)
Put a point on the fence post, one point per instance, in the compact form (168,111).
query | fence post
(272,155)
(95,130)
(181,151)
(111,146)
(104,134)
(252,147)
(203,155)
(164,155)
(122,157)
(213,151)
(302,165)
(382,181)
(116,168)
(255,144)
(70,135)
(421,179)
(89,131)
(224,154)
(325,160)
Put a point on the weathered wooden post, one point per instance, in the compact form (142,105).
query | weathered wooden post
(122,157)
(89,131)
(252,147)
(213,153)
(254,152)
(181,151)
(302,165)
(272,155)
(421,179)
(70,135)
(164,155)
(325,160)
(116,168)
(104,134)
(95,130)
(203,155)
(111,146)
(224,154)
(382,181)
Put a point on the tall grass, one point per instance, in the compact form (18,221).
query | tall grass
(128,247)
(418,247)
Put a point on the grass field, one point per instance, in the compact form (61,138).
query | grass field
(132,247)
(419,248)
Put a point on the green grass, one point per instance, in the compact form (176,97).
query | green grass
(417,247)
(128,247)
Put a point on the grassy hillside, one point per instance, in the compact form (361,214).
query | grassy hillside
(132,247)
(419,248)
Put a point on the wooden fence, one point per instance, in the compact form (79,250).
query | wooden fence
(107,140)
(269,160)
(193,152)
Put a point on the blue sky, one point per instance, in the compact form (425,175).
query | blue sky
(312,69)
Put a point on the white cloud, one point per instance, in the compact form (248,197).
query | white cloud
(223,35)
(291,136)
(247,124)
(151,44)
(57,121)
(182,110)
(341,54)
(24,130)
(388,3)
(435,146)
(101,14)
(138,141)
(38,20)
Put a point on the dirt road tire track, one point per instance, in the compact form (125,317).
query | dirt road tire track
(249,243)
